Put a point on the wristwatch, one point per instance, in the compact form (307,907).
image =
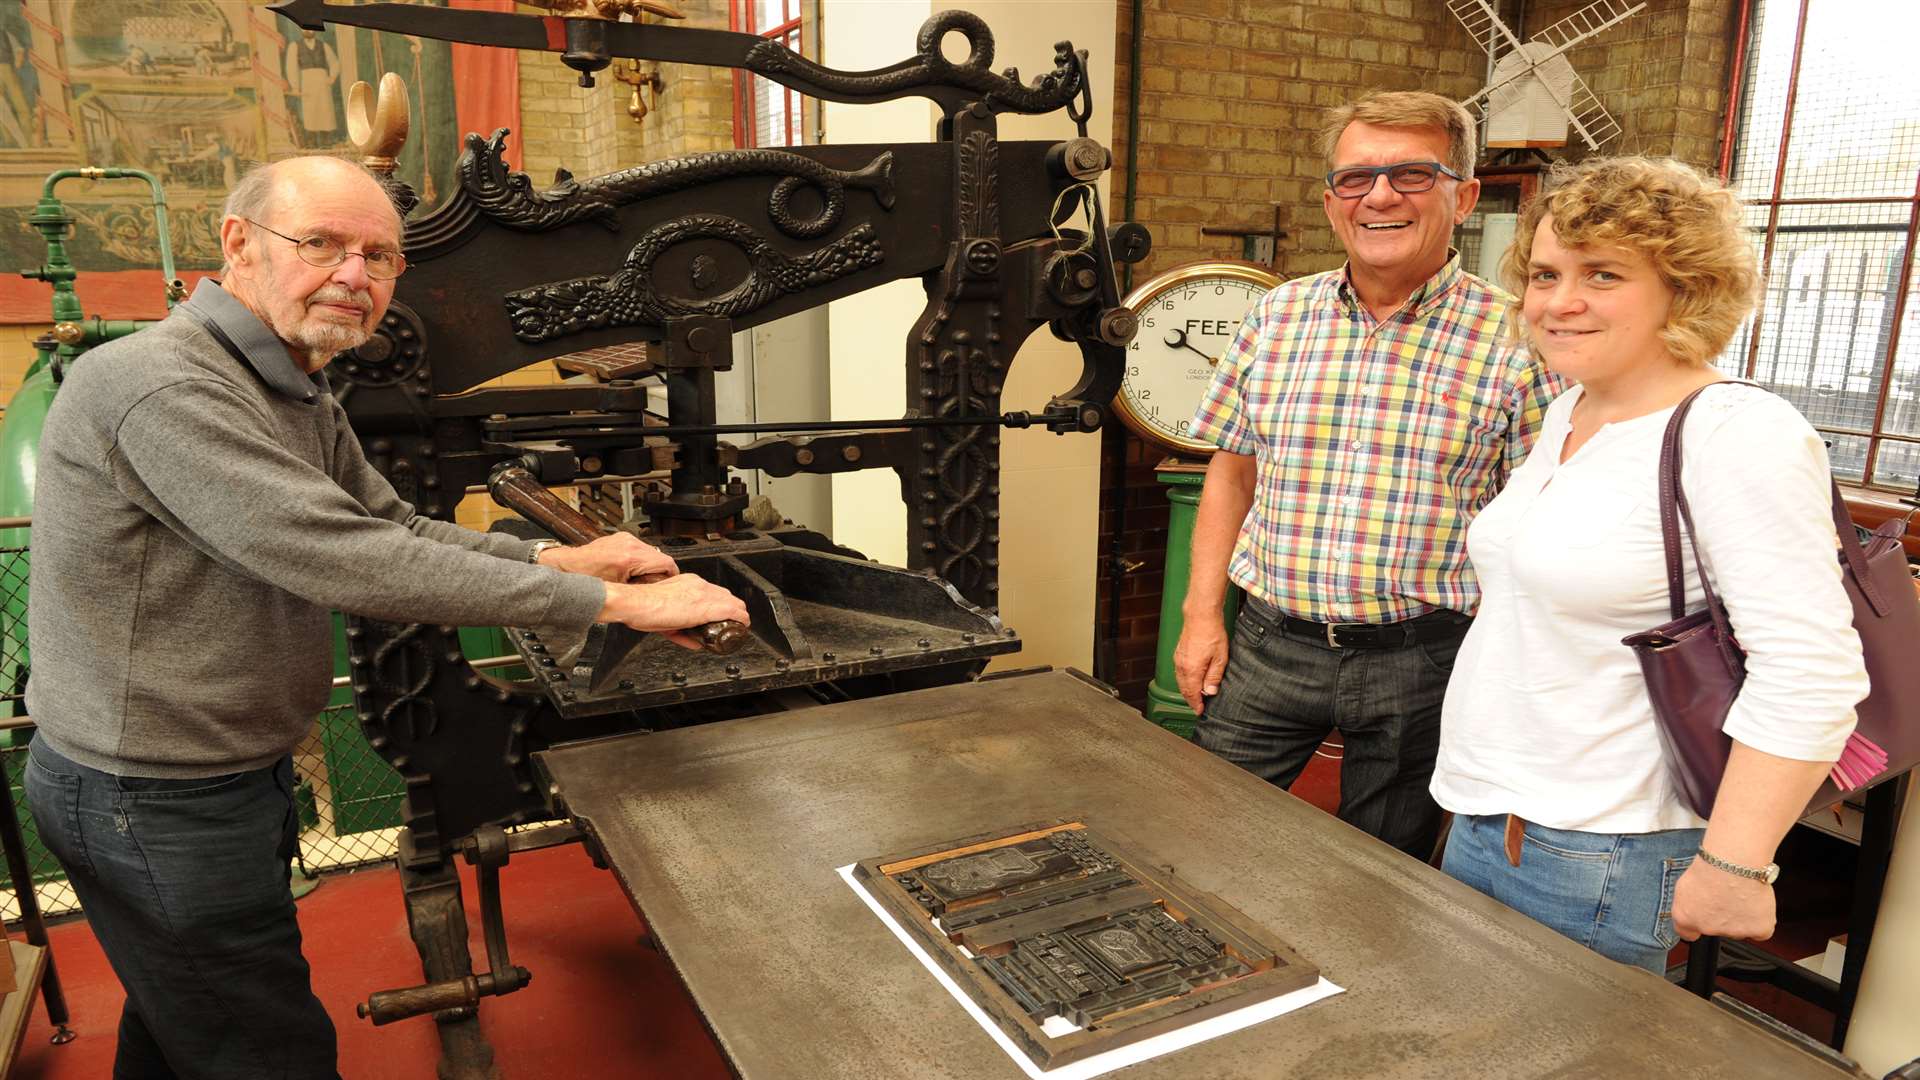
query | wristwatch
(540,546)
(1768,875)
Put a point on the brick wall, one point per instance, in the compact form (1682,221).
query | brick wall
(694,113)
(1232,94)
(562,124)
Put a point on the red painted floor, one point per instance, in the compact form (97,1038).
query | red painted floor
(602,1002)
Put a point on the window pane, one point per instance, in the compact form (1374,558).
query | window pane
(1856,116)
(1847,454)
(1763,100)
(1903,400)
(1899,463)
(770,113)
(1829,295)
(1823,337)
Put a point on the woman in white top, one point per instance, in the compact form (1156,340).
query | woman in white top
(1633,275)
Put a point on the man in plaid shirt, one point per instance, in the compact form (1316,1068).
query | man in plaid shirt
(1363,416)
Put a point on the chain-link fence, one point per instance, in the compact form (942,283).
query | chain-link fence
(348,795)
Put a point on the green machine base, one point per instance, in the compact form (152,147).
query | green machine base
(1164,704)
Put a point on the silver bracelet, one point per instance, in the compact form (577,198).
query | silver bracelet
(540,546)
(1768,874)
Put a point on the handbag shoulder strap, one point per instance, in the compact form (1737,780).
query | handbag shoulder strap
(1855,558)
(1673,510)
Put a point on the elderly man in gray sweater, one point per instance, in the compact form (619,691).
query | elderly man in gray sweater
(202,505)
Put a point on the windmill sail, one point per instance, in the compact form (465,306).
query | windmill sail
(1534,94)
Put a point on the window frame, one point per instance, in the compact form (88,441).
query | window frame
(1740,73)
(790,32)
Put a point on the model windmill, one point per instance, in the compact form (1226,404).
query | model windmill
(1534,95)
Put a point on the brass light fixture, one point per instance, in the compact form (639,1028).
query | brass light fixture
(641,75)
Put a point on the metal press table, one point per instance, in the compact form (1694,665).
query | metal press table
(727,836)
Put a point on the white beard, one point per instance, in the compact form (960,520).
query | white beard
(321,340)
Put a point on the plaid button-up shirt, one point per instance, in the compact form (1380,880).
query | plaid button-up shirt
(1375,442)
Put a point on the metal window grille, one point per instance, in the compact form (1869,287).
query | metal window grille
(764,112)
(1826,153)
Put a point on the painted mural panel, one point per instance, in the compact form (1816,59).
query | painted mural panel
(195,92)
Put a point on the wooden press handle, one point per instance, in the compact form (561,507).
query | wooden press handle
(513,487)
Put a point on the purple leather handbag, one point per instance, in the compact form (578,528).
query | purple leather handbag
(1694,666)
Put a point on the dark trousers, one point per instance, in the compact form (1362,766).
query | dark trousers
(184,883)
(1283,693)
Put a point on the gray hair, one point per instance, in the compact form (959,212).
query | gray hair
(1405,109)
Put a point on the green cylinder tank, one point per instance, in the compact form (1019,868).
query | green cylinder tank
(1165,706)
(19,457)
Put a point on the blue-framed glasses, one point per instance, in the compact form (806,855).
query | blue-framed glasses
(1406,177)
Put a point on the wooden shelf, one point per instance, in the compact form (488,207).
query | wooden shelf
(29,965)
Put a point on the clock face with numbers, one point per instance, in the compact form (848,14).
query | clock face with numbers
(1188,317)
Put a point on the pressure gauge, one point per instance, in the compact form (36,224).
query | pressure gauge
(1188,317)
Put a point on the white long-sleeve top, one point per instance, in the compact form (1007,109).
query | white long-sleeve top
(1547,714)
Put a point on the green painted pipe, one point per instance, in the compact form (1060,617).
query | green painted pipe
(51,218)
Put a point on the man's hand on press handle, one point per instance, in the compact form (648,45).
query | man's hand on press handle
(614,557)
(1200,659)
(672,606)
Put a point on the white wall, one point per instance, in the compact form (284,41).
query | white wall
(1049,498)
(867,333)
(1885,1033)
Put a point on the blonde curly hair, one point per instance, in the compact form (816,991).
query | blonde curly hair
(1686,223)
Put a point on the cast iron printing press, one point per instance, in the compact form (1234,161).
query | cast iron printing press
(671,258)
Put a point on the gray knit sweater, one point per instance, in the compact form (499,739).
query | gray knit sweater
(196,518)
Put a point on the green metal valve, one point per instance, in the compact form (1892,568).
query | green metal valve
(55,224)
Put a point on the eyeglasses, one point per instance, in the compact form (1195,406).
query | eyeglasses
(1406,177)
(326,252)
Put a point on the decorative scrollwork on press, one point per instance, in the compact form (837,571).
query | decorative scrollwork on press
(929,68)
(509,198)
(979,197)
(395,351)
(629,298)
(968,464)
(398,671)
(960,373)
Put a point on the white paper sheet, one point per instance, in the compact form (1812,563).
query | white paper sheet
(1117,1058)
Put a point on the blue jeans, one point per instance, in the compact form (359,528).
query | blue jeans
(1612,892)
(1282,693)
(184,883)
